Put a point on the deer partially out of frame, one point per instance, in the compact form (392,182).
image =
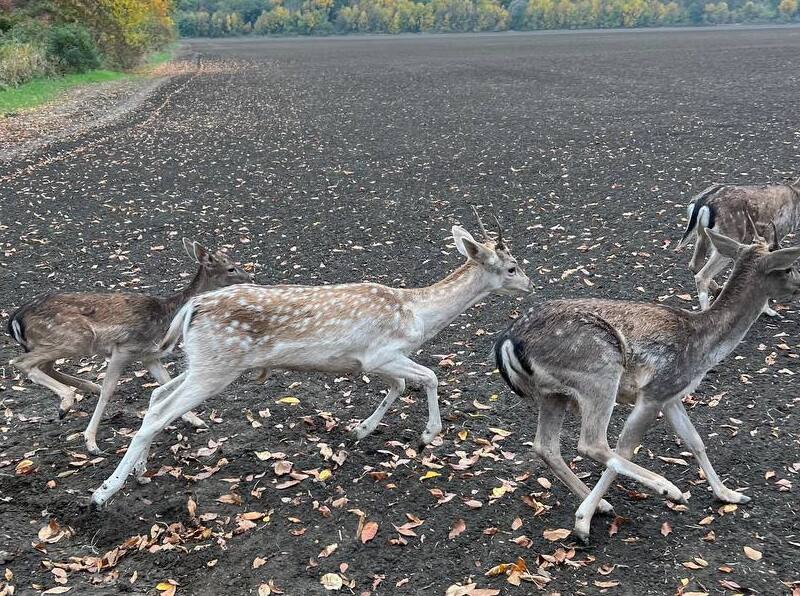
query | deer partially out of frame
(351,328)
(726,208)
(122,327)
(592,353)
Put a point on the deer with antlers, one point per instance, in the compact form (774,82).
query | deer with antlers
(588,354)
(739,212)
(350,328)
(121,326)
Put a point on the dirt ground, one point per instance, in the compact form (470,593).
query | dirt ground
(331,160)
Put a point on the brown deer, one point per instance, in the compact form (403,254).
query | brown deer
(120,326)
(739,212)
(588,354)
(349,328)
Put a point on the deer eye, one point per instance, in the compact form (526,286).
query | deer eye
(232,270)
(512,270)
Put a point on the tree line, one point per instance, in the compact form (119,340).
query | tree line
(50,37)
(223,18)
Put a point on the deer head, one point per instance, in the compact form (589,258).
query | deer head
(217,270)
(494,257)
(781,278)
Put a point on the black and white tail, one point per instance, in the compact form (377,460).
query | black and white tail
(512,364)
(178,328)
(16,322)
(700,215)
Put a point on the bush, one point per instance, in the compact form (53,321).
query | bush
(21,62)
(72,48)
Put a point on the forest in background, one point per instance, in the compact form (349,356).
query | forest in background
(42,38)
(223,18)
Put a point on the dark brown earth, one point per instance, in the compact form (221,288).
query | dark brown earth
(329,160)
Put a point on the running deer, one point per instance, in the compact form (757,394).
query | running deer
(340,329)
(726,208)
(122,327)
(588,354)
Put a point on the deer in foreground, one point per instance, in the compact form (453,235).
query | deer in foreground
(350,328)
(122,327)
(727,209)
(588,354)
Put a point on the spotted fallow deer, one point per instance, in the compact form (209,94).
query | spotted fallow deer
(351,328)
(727,209)
(590,353)
(123,327)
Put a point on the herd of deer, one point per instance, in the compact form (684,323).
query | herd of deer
(582,354)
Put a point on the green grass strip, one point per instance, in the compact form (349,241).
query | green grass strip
(40,91)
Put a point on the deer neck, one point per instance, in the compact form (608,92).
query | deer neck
(437,305)
(732,314)
(198,285)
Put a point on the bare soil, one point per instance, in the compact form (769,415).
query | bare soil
(331,160)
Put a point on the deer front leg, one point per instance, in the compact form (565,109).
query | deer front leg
(405,368)
(593,443)
(679,419)
(640,419)
(396,388)
(161,375)
(116,365)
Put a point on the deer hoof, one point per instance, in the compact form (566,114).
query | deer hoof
(581,532)
(605,507)
(731,496)
(360,432)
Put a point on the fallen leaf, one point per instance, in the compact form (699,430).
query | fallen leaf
(289,401)
(458,527)
(666,529)
(369,531)
(752,554)
(331,581)
(554,535)
(328,551)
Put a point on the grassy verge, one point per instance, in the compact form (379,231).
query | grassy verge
(41,91)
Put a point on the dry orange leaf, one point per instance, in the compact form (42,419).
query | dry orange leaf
(557,534)
(369,531)
(752,554)
(458,527)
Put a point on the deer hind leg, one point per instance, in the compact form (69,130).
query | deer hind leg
(547,445)
(640,419)
(116,365)
(396,388)
(679,420)
(161,375)
(158,394)
(593,443)
(35,366)
(77,382)
(699,254)
(704,278)
(193,391)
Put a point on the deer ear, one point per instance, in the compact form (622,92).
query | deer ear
(727,247)
(188,246)
(469,247)
(201,254)
(780,259)
(459,236)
